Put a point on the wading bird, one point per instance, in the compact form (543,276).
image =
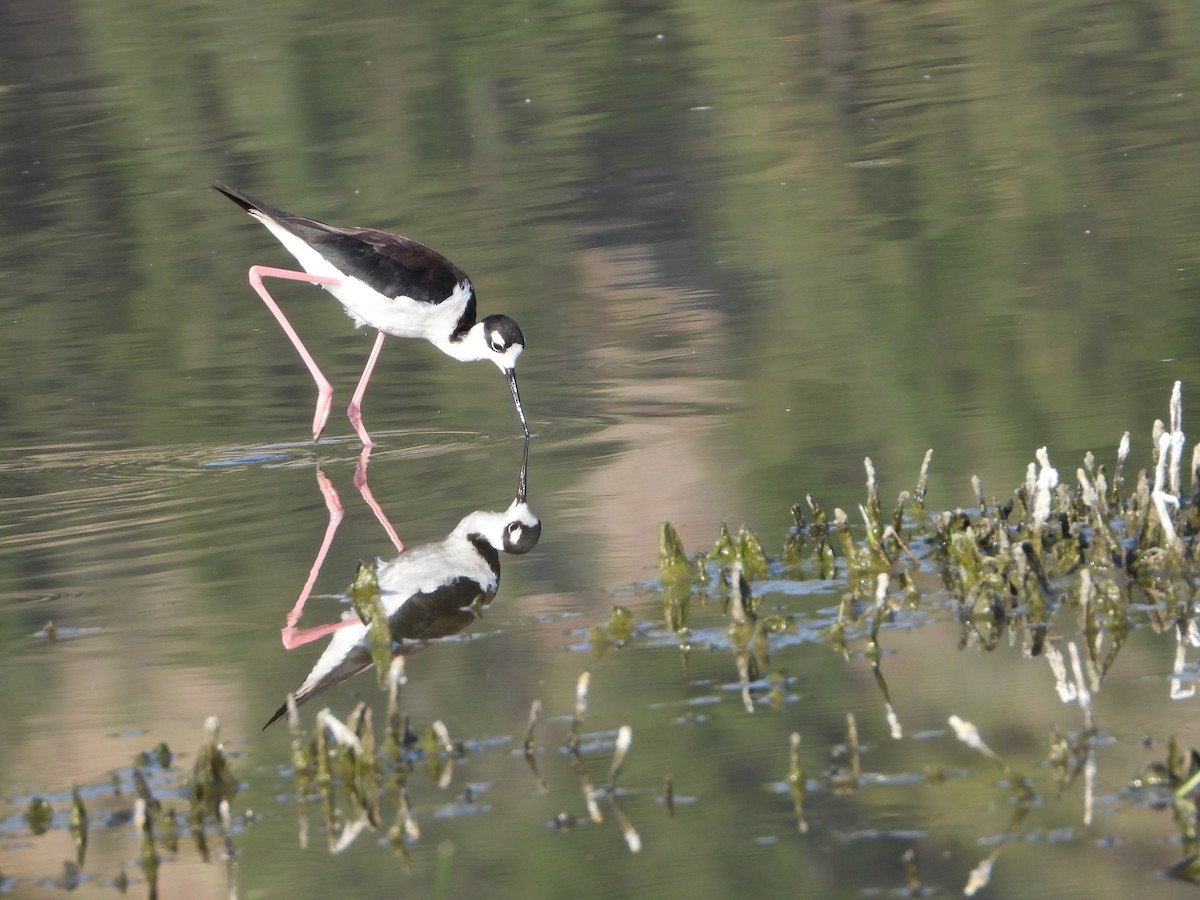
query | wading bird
(391,283)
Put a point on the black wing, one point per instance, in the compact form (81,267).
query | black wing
(389,263)
(444,611)
(394,266)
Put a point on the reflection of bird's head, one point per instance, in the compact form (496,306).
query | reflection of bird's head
(522,530)
(516,530)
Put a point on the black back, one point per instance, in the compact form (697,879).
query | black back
(391,264)
(394,266)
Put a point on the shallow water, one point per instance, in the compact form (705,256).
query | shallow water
(748,248)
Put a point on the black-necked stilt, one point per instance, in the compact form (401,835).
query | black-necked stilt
(392,283)
(428,592)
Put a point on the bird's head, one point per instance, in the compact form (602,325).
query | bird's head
(504,342)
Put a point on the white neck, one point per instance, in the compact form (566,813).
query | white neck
(492,525)
(476,344)
(473,345)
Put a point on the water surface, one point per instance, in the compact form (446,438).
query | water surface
(748,248)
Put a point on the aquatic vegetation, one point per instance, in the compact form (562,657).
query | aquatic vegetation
(1097,550)
(796,781)
(1095,560)
(39,815)
(79,825)
(677,576)
(616,632)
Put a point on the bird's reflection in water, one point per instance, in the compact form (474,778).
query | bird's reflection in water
(427,592)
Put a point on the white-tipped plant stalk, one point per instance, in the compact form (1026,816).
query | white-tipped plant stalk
(1043,489)
(1089,765)
(743,667)
(981,875)
(624,741)
(1088,491)
(1058,666)
(968,733)
(1183,637)
(1161,501)
(327,721)
(581,696)
(1084,696)
(442,733)
(923,478)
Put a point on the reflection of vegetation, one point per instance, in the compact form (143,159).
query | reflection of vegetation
(135,794)
(38,815)
(354,777)
(213,788)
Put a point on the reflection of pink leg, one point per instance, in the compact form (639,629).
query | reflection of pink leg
(324,389)
(298,637)
(290,634)
(333,503)
(360,482)
(354,410)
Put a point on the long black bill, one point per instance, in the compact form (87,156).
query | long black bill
(512,386)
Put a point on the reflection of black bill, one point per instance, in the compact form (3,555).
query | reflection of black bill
(521,478)
(512,386)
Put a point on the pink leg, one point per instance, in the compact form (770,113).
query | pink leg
(354,410)
(324,389)
(333,503)
(360,482)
